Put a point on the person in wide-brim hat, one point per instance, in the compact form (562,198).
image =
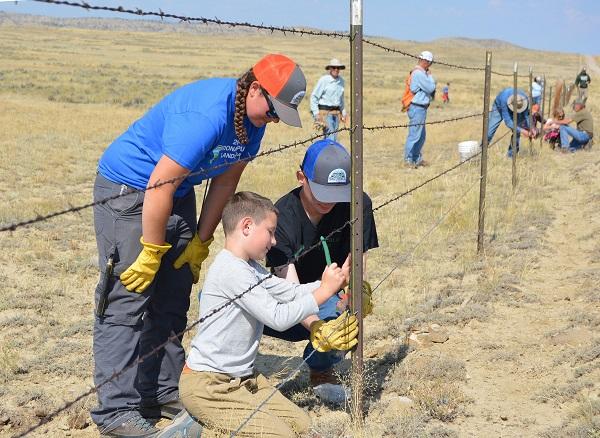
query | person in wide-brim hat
(522,103)
(327,100)
(335,63)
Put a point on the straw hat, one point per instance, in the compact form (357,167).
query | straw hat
(335,63)
(521,103)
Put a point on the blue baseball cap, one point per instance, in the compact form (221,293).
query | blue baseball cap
(327,167)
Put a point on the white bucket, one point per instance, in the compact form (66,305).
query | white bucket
(466,149)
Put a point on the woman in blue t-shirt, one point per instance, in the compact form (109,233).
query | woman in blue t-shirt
(151,245)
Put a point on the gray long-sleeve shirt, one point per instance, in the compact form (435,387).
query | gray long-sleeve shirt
(228,341)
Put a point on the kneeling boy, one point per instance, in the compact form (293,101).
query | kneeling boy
(218,385)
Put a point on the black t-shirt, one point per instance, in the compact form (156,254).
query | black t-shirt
(295,233)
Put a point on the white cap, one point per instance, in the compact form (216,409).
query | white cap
(426,55)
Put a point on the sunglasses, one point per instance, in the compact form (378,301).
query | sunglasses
(271,113)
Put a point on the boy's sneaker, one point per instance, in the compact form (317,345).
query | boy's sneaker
(167,410)
(183,426)
(133,427)
(328,388)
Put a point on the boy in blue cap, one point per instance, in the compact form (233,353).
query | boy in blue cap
(319,206)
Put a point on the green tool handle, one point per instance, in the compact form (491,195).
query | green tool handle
(326,251)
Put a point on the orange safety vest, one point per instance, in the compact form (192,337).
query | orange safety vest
(408,95)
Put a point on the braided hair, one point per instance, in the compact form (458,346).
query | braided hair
(243,85)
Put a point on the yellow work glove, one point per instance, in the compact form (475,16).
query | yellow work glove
(194,254)
(337,334)
(141,273)
(367,302)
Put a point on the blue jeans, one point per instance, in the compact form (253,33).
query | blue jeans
(537,100)
(416,134)
(318,361)
(333,122)
(580,138)
(494,123)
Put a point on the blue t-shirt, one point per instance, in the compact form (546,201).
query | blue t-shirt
(193,126)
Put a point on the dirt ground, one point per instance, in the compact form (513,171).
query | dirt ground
(523,362)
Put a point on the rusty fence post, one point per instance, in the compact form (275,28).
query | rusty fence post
(484,151)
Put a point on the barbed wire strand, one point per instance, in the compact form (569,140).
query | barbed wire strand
(204,20)
(74,209)
(285,30)
(447,64)
(284,381)
(433,178)
(438,223)
(280,148)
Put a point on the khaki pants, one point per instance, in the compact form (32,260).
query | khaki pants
(222,403)
(583,93)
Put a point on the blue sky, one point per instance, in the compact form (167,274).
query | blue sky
(560,25)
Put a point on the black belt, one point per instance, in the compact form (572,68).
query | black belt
(420,104)
(329,108)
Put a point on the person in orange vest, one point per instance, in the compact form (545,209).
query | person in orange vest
(422,86)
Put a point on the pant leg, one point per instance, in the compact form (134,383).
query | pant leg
(565,131)
(222,404)
(116,335)
(517,145)
(158,377)
(133,323)
(333,122)
(418,149)
(416,116)
(580,139)
(494,122)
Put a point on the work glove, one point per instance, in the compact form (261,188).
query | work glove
(194,254)
(337,334)
(367,302)
(141,273)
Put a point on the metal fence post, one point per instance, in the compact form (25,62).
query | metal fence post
(484,150)
(356,209)
(514,135)
(542,109)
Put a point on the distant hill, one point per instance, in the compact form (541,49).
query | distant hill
(488,43)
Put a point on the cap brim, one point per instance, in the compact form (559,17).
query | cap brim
(331,193)
(287,114)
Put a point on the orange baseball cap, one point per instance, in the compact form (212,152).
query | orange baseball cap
(283,79)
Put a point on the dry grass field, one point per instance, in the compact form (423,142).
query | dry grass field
(522,358)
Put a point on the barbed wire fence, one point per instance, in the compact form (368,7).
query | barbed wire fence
(175,337)
(280,148)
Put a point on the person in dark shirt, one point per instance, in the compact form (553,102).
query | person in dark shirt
(307,216)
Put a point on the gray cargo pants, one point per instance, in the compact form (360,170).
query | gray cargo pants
(135,323)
